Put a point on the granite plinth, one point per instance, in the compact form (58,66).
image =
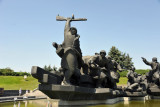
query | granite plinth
(70,93)
(153,91)
(134,94)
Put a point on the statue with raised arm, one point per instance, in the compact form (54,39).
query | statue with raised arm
(153,75)
(69,50)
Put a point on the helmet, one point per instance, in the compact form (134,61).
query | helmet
(103,51)
(154,59)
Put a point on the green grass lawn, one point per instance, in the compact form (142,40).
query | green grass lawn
(123,81)
(17,82)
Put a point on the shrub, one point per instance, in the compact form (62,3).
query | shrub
(139,71)
(142,71)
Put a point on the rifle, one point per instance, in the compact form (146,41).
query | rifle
(61,18)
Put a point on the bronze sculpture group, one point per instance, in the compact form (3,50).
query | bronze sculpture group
(96,71)
(101,70)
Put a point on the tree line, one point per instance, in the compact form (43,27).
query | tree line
(10,72)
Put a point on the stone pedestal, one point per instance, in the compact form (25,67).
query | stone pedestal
(154,91)
(75,93)
(134,94)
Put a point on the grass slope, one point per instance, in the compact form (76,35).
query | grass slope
(17,82)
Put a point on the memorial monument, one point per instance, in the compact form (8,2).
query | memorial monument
(79,77)
(82,78)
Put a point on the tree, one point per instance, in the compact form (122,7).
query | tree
(54,68)
(6,71)
(128,62)
(121,58)
(9,72)
(49,68)
(45,67)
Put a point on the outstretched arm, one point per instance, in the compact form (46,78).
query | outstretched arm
(68,25)
(146,62)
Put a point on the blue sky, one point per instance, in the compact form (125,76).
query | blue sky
(28,28)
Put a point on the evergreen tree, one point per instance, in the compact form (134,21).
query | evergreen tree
(121,58)
(54,68)
(128,62)
(45,68)
(49,68)
(115,54)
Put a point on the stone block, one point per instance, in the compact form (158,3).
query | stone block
(134,94)
(69,93)
(154,91)
(45,76)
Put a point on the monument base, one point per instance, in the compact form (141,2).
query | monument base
(75,93)
(134,94)
(154,91)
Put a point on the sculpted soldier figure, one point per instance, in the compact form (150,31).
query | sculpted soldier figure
(133,83)
(99,60)
(112,67)
(154,75)
(98,67)
(69,50)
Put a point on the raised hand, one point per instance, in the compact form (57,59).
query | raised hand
(143,58)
